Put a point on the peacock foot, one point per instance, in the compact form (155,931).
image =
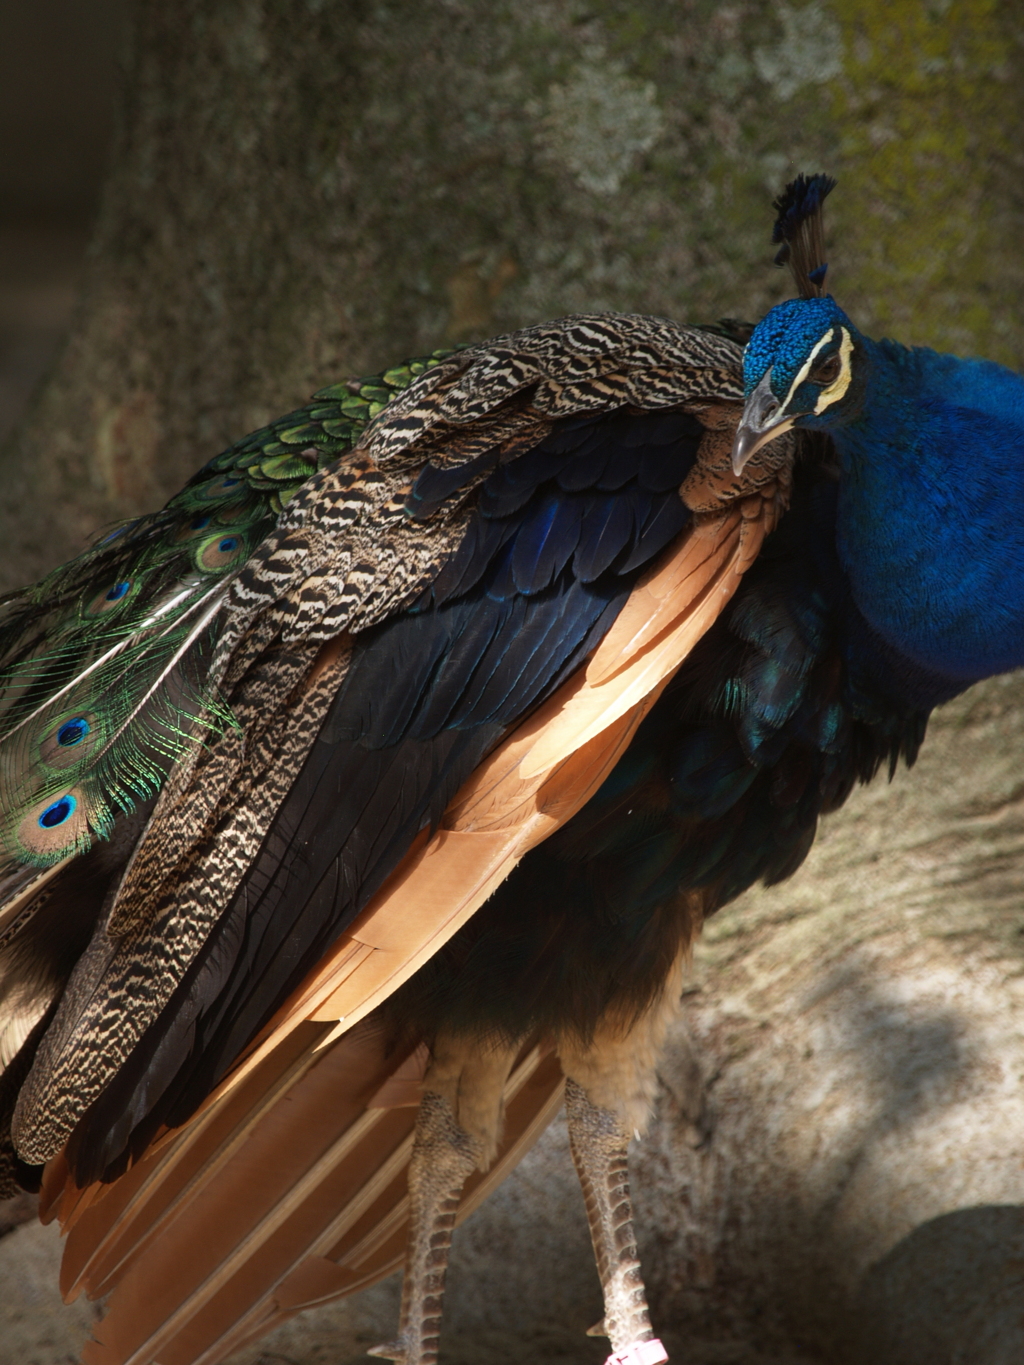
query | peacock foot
(443,1155)
(402,1352)
(649,1352)
(599,1146)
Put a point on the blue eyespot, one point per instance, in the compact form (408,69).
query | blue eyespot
(59,812)
(220,552)
(229,483)
(110,599)
(197,523)
(73,731)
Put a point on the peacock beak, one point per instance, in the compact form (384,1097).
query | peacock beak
(763,419)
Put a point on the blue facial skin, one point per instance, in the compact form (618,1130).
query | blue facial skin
(930,523)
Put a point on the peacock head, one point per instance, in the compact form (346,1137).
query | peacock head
(798,371)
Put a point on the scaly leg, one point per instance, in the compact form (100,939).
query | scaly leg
(599,1151)
(456,1131)
(611,1082)
(443,1156)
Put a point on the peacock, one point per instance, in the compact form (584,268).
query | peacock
(361,805)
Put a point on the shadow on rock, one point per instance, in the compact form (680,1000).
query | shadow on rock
(950,1293)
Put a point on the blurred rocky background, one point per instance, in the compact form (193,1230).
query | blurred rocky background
(57,93)
(301,189)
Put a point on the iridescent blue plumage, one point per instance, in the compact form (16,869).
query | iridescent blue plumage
(931,499)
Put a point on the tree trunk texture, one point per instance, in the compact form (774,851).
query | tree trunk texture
(303,190)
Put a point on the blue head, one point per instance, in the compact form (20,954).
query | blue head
(798,370)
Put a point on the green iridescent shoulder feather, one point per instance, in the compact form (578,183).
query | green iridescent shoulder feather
(276,460)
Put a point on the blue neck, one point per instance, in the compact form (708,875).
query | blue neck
(931,508)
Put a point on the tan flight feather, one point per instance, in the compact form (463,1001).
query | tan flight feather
(268,1237)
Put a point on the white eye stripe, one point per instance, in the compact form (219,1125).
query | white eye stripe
(841,382)
(805,368)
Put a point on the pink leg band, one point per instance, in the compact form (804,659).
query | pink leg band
(640,1353)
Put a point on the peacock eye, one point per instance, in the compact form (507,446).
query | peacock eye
(73,732)
(829,369)
(110,598)
(58,813)
(71,742)
(221,552)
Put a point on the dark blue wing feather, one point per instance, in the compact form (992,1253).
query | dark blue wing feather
(664,519)
(614,527)
(546,542)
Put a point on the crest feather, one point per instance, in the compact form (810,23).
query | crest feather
(800,227)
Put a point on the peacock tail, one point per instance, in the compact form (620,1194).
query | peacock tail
(105,664)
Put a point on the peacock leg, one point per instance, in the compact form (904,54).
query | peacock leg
(443,1156)
(456,1131)
(599,1144)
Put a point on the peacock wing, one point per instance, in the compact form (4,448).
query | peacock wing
(358,540)
(530,487)
(292,1197)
